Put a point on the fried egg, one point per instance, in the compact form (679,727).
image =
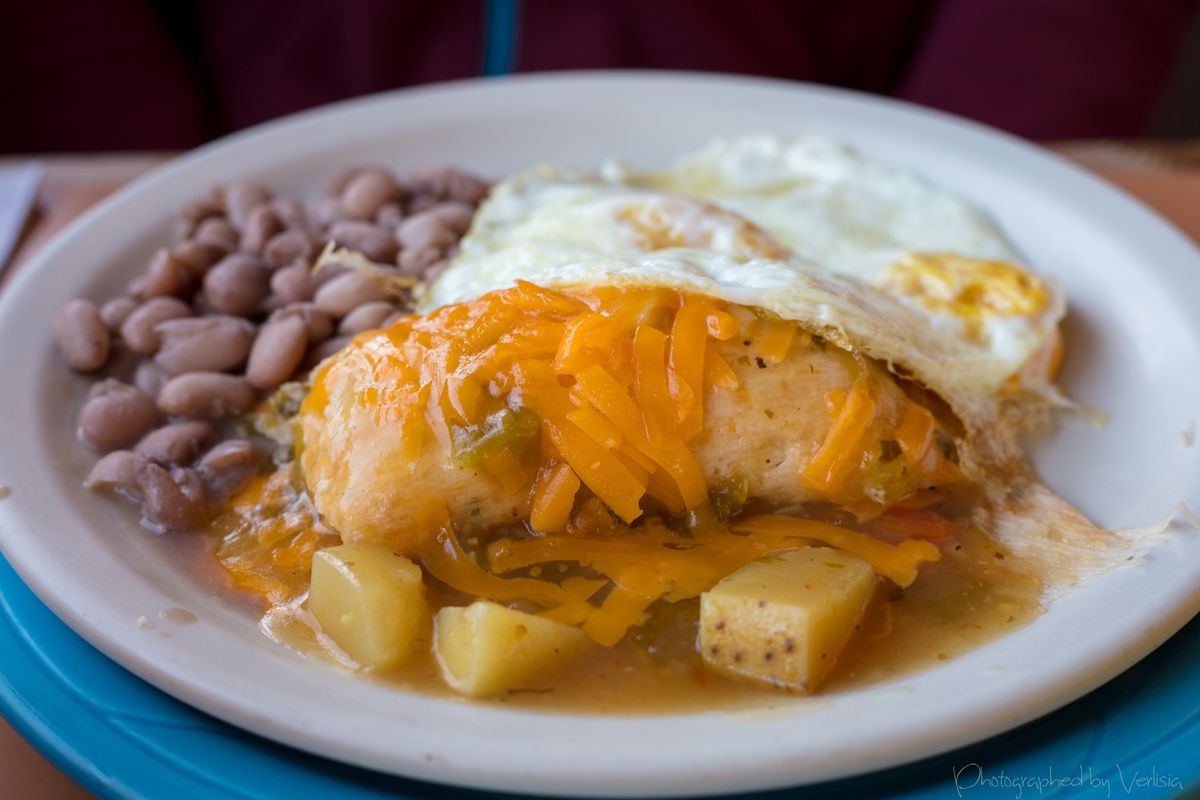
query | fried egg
(824,200)
(888,226)
(994,323)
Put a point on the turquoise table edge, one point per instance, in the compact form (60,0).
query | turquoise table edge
(118,737)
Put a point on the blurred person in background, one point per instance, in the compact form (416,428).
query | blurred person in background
(171,74)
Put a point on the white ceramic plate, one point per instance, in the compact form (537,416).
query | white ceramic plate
(1134,336)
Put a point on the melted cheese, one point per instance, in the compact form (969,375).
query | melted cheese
(582,404)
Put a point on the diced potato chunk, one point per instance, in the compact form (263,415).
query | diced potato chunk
(370,601)
(784,619)
(486,649)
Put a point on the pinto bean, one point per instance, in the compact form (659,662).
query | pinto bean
(373,241)
(206,395)
(166,275)
(288,246)
(325,210)
(328,271)
(290,213)
(149,378)
(240,199)
(100,388)
(229,466)
(421,202)
(367,191)
(116,415)
(191,214)
(138,328)
(366,317)
(448,183)
(237,285)
(197,256)
(335,184)
(122,363)
(293,283)
(203,344)
(426,229)
(278,350)
(413,261)
(347,292)
(320,352)
(115,472)
(318,323)
(228,454)
(389,215)
(172,501)
(177,443)
(261,224)
(83,338)
(455,214)
(116,311)
(217,232)
(393,318)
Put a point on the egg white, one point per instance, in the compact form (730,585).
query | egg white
(553,222)
(827,202)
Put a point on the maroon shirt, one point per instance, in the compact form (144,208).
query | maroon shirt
(140,74)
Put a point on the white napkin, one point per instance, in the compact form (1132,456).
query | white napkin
(18,190)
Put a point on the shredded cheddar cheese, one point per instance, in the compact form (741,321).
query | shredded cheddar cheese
(616,378)
(586,406)
(915,433)
(553,498)
(828,469)
(655,562)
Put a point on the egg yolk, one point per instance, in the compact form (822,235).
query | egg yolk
(971,289)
